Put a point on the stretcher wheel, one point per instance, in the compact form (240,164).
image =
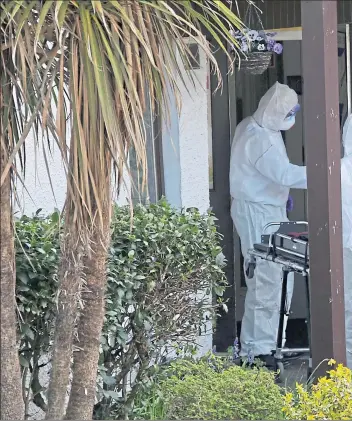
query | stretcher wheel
(250,270)
(280,371)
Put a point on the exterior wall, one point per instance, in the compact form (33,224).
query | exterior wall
(171,153)
(194,136)
(38,192)
(194,133)
(185,142)
(185,152)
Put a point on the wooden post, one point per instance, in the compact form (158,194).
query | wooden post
(323,146)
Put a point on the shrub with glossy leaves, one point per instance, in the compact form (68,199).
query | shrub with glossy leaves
(329,399)
(164,267)
(37,247)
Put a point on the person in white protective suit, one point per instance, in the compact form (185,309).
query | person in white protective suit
(346,187)
(260,180)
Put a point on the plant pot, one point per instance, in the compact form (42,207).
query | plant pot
(256,62)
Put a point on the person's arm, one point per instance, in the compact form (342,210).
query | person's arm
(346,201)
(277,167)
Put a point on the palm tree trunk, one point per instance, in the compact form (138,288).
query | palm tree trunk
(70,273)
(11,401)
(85,364)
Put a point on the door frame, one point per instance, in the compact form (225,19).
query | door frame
(220,200)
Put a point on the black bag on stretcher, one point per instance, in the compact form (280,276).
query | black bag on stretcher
(288,246)
(289,242)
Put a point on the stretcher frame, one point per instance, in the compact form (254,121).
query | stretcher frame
(292,262)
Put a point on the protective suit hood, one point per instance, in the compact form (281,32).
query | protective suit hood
(274,106)
(347,136)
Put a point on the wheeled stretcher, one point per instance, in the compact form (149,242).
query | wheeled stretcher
(288,246)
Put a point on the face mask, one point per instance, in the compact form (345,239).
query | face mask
(288,123)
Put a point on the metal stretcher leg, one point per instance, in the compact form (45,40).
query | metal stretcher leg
(306,279)
(283,309)
(283,312)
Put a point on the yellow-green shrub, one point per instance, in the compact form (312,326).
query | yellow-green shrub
(210,389)
(329,399)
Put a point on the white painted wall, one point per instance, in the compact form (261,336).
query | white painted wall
(194,135)
(193,138)
(38,192)
(185,141)
(185,152)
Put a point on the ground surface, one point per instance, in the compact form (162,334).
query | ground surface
(295,371)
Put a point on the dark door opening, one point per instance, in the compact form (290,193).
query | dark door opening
(225,331)
(237,99)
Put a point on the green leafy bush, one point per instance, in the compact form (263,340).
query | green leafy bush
(211,389)
(329,399)
(162,275)
(163,267)
(37,245)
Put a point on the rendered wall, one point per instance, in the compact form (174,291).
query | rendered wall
(38,192)
(185,152)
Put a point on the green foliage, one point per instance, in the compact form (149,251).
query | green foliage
(149,404)
(163,267)
(163,271)
(329,399)
(37,245)
(211,389)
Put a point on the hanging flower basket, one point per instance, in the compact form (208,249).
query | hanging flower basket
(257,48)
(255,63)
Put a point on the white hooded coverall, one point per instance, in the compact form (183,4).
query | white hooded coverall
(346,187)
(260,180)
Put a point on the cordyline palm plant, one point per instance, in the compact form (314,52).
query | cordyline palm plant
(80,71)
(25,89)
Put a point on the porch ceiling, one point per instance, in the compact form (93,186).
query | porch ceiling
(287,13)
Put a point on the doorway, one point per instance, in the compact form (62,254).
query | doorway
(239,99)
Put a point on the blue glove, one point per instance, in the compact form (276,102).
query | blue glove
(289,204)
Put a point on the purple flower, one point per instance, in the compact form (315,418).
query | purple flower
(278,48)
(236,349)
(270,44)
(244,47)
(236,34)
(250,357)
(289,204)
